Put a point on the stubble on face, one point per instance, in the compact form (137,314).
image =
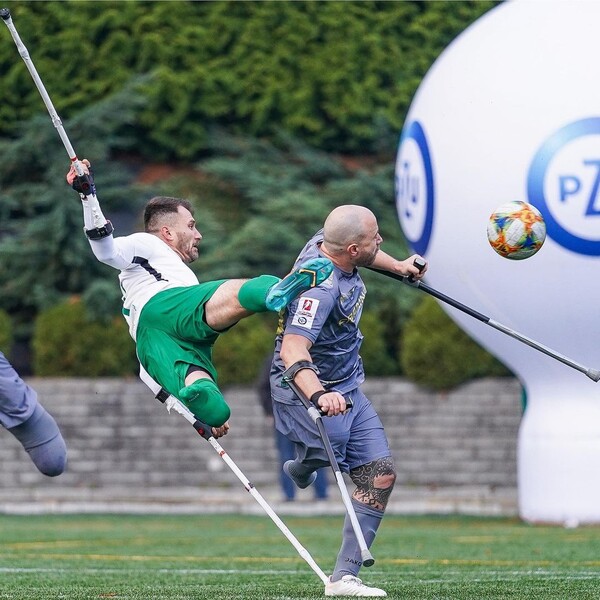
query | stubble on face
(187,237)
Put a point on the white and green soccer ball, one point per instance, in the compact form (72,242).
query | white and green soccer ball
(516,230)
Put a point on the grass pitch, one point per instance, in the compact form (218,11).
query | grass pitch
(233,557)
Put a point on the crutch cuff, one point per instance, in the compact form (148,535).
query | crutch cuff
(290,372)
(97,233)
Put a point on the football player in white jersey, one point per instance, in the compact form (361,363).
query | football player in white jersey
(174,319)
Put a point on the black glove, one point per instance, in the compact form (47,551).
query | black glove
(84,184)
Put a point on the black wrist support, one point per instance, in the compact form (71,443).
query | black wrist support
(100,232)
(315,397)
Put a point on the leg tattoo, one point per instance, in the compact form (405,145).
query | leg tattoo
(374,482)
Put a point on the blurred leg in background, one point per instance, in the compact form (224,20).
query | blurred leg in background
(35,428)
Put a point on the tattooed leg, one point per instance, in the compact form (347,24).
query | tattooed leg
(374,482)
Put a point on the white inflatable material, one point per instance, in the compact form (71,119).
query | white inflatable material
(511,111)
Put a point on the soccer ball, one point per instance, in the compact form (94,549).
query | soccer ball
(516,230)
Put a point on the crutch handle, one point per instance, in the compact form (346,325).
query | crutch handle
(349,406)
(420,264)
(203,429)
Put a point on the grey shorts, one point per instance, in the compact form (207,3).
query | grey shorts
(17,399)
(357,437)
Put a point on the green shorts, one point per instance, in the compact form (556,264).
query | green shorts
(172,335)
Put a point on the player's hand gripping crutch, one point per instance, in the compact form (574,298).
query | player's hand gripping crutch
(316,415)
(206,432)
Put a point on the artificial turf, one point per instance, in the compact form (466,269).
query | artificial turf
(231,557)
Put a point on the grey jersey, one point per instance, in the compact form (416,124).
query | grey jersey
(328,316)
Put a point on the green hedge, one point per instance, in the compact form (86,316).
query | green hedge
(239,353)
(339,74)
(66,342)
(377,359)
(437,354)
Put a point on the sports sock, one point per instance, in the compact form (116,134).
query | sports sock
(253,293)
(349,560)
(42,440)
(206,401)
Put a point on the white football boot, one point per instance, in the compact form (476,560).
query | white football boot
(349,585)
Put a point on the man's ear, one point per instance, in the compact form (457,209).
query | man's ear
(165,233)
(352,250)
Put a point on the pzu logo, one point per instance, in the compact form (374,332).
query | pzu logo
(414,187)
(564,184)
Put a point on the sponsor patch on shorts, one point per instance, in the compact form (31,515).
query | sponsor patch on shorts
(306,312)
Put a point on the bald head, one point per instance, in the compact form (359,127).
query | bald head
(347,225)
(351,236)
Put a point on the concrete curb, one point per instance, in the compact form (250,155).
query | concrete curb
(480,501)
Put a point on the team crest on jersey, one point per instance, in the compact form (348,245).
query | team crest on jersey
(306,312)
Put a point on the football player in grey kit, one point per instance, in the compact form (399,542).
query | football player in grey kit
(318,345)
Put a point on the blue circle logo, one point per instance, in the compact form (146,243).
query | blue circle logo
(564,184)
(414,187)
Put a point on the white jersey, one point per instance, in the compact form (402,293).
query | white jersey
(148,266)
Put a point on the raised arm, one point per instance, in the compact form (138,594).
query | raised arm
(98,229)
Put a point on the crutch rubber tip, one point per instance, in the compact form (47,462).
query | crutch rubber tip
(593,374)
(5,14)
(368,562)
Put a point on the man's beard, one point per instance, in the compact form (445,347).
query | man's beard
(367,261)
(194,252)
(189,256)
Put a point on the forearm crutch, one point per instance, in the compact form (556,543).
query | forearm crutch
(206,432)
(593,374)
(86,183)
(316,416)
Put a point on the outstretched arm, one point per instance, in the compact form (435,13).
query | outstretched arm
(98,229)
(385,262)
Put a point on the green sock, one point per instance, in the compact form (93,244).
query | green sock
(206,401)
(253,293)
